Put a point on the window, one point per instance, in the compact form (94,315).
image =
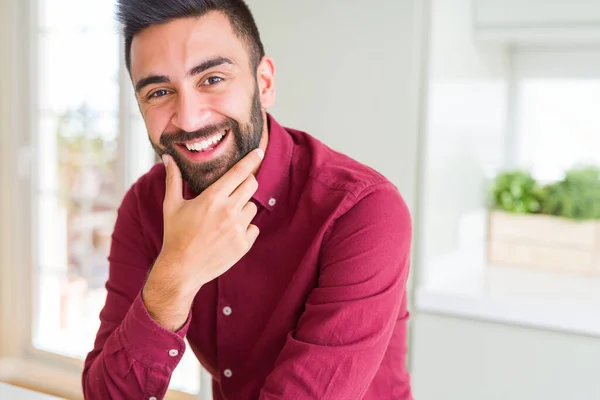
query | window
(558,98)
(77,175)
(492,109)
(88,145)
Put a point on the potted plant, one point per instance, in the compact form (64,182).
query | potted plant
(555,226)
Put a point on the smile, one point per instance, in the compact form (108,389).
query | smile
(206,145)
(207,149)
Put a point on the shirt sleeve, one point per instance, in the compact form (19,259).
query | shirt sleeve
(358,305)
(133,356)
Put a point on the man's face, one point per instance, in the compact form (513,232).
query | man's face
(199,95)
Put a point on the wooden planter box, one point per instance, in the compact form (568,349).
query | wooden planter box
(545,242)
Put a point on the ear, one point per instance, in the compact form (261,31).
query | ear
(265,75)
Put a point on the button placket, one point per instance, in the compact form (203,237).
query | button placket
(227,336)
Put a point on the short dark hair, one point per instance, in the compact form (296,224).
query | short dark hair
(137,15)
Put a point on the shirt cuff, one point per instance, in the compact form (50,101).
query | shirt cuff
(148,342)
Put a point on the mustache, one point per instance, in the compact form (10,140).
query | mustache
(168,139)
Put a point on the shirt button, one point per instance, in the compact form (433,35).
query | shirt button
(152,398)
(228,373)
(173,353)
(272,201)
(227,310)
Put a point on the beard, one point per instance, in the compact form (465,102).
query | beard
(200,176)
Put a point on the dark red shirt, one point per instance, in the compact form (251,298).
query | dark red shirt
(315,310)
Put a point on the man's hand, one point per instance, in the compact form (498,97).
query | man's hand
(203,238)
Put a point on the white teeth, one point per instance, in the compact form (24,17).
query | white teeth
(205,144)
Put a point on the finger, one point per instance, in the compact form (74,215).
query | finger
(174,183)
(248,213)
(238,173)
(243,193)
(251,235)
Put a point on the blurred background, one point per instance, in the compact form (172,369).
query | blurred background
(484,113)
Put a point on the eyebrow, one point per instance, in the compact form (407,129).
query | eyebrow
(198,69)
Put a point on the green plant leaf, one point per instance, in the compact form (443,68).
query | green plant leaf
(517,192)
(576,196)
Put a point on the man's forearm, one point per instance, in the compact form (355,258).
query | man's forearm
(166,296)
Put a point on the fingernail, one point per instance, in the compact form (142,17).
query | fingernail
(165,159)
(261,153)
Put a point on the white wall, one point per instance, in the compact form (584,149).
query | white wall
(347,73)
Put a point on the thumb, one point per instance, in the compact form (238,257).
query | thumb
(174,185)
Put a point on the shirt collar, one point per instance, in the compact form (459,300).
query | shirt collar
(274,173)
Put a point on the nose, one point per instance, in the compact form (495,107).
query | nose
(191,112)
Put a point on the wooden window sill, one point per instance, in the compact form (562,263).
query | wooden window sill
(45,379)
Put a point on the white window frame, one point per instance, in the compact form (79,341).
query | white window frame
(20,362)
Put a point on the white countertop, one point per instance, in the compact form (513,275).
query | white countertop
(461,284)
(9,392)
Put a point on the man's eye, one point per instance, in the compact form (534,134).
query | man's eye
(213,80)
(158,93)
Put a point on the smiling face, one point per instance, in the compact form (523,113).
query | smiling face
(202,100)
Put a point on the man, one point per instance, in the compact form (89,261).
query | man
(283,262)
